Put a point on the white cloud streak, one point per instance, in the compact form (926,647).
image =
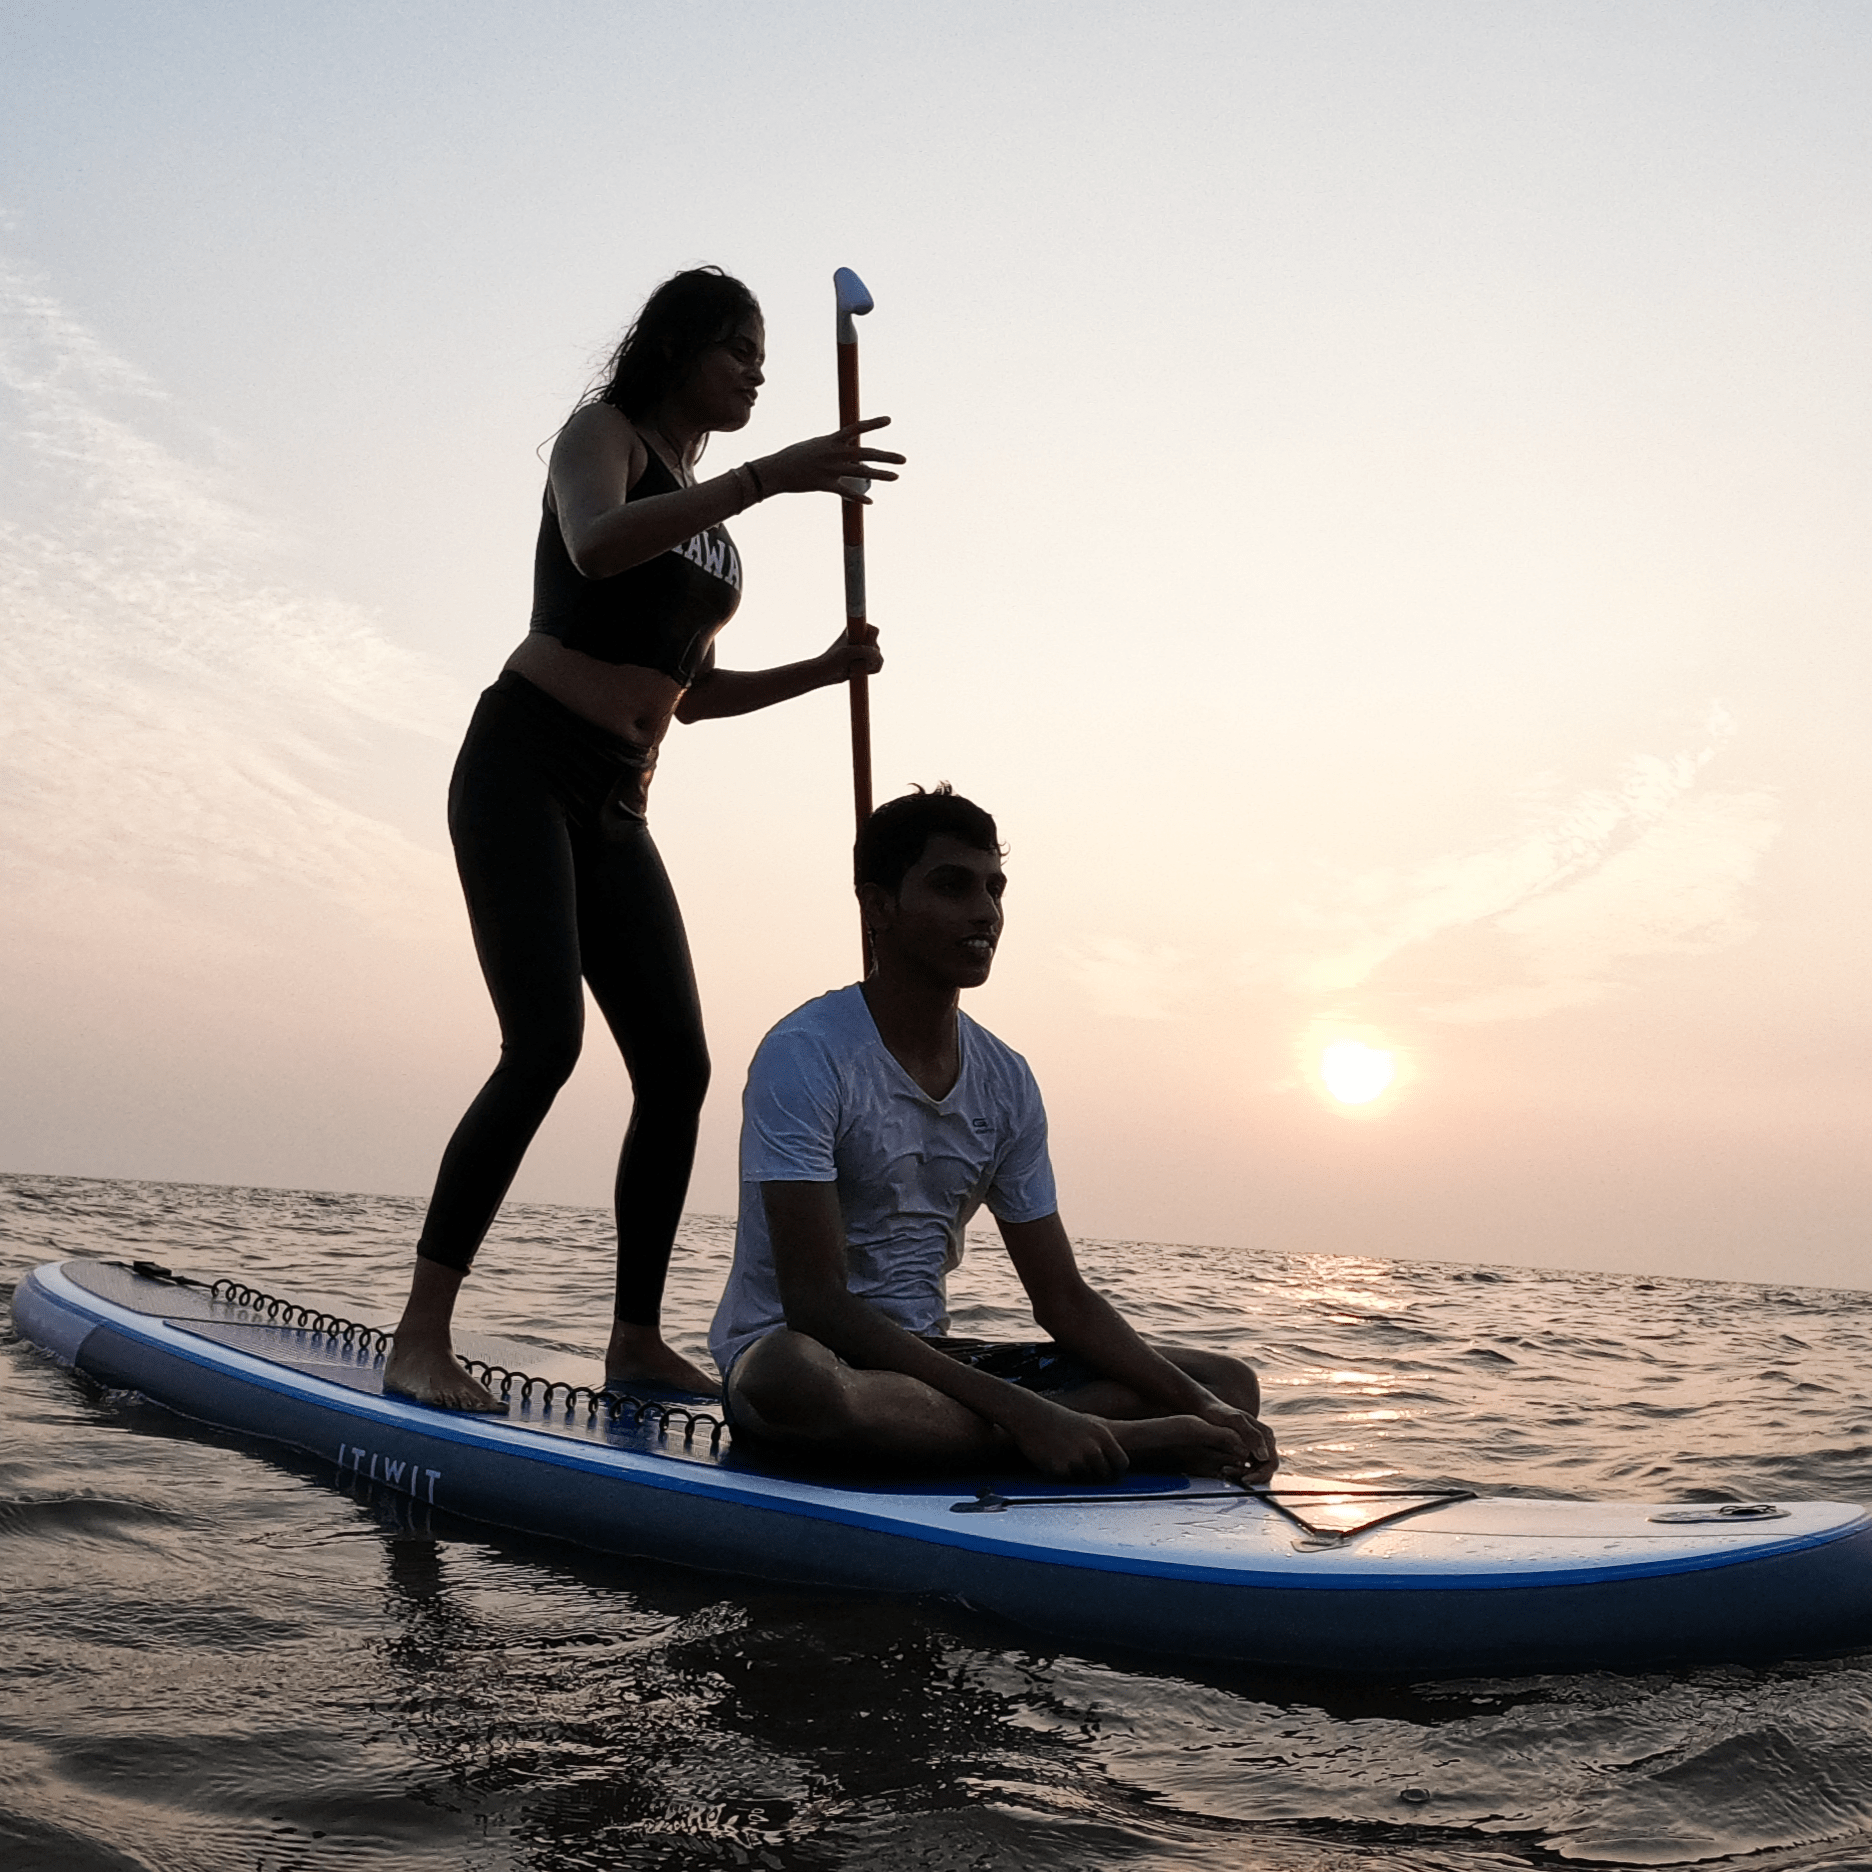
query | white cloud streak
(1678,889)
(170,716)
(1649,867)
(1128,980)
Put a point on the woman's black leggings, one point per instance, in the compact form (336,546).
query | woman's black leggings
(563,885)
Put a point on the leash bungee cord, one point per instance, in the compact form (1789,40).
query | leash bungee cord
(614,1400)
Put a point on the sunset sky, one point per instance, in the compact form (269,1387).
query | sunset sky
(1386,533)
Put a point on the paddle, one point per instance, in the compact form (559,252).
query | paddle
(853,302)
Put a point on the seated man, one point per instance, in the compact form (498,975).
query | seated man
(877,1120)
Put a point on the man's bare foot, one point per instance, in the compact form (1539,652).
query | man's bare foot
(432,1374)
(1179,1445)
(637,1355)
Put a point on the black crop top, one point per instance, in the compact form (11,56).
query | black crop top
(661,615)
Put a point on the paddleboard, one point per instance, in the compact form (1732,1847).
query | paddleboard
(1316,1577)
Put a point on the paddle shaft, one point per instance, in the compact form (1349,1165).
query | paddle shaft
(852,516)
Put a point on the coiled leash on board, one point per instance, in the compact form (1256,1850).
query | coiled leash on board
(612,1399)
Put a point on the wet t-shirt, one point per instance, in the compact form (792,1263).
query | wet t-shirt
(827,1103)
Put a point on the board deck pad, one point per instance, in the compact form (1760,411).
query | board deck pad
(1061,1509)
(245,1328)
(359,1366)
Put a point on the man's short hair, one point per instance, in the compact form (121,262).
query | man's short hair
(893,838)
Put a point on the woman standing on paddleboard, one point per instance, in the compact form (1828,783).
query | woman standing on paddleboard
(633,576)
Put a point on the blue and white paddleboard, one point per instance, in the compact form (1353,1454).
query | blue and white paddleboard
(1349,1580)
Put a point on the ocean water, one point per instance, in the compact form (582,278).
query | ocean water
(213,1657)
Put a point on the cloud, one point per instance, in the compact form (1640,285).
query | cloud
(1128,980)
(1648,867)
(172,719)
(1677,890)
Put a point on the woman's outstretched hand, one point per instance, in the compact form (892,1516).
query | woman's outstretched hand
(846,659)
(824,464)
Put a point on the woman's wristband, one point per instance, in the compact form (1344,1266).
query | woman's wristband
(749,484)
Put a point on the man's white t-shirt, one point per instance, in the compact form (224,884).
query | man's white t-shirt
(827,1103)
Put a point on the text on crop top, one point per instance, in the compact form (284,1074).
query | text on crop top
(660,615)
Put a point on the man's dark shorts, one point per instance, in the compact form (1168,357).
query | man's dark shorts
(1032,1365)
(1035,1365)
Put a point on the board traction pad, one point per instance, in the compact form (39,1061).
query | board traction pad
(320,1355)
(192,1309)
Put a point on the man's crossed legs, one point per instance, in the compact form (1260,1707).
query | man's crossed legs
(790,1390)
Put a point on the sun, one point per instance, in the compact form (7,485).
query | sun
(1353,1068)
(1356,1073)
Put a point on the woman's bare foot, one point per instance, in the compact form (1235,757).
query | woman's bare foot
(637,1355)
(1180,1445)
(422,1362)
(430,1373)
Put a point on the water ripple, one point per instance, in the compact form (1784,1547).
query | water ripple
(215,1659)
